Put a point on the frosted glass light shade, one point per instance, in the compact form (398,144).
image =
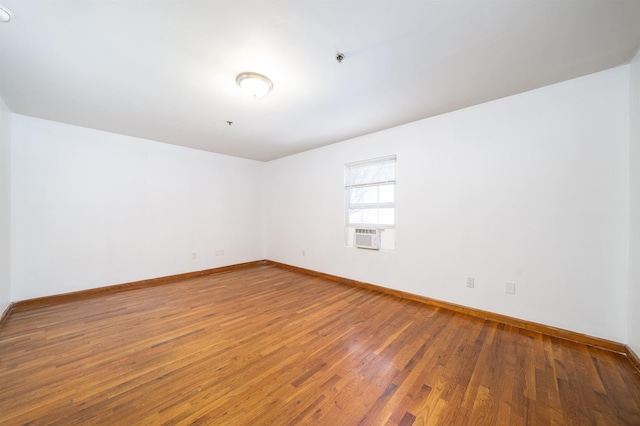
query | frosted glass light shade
(254,84)
(5,14)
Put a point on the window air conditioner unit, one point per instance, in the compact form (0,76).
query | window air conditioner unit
(367,238)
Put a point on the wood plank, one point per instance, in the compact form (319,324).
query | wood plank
(268,345)
(57,299)
(504,319)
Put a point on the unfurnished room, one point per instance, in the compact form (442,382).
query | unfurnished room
(384,212)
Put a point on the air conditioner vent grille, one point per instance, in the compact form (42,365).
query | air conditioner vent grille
(368,238)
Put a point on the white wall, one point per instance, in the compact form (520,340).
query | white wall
(5,203)
(634,246)
(92,208)
(532,188)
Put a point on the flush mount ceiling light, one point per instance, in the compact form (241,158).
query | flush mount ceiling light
(5,14)
(254,84)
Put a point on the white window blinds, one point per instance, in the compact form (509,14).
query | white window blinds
(370,192)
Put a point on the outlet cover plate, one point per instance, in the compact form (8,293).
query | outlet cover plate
(510,287)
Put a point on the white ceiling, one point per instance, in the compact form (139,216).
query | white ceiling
(165,70)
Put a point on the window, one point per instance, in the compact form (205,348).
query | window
(370,197)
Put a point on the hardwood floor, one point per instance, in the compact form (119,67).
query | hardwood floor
(269,346)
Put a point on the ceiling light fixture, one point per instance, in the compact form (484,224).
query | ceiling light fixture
(5,14)
(254,84)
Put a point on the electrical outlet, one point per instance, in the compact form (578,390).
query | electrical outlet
(304,253)
(509,287)
(194,255)
(470,282)
(220,252)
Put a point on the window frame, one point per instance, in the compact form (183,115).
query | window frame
(348,187)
